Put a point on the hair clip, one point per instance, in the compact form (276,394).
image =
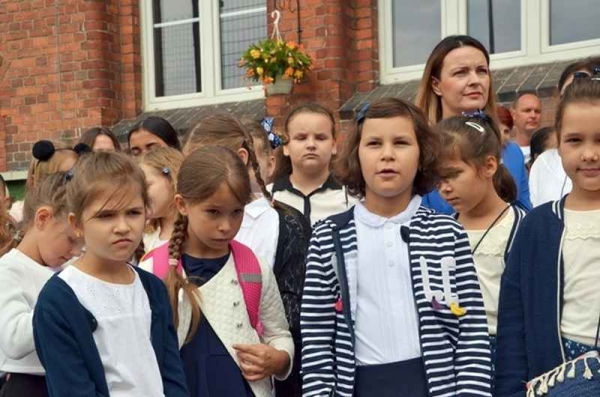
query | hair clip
(173,262)
(360,116)
(581,75)
(82,148)
(43,150)
(477,114)
(165,171)
(274,139)
(69,175)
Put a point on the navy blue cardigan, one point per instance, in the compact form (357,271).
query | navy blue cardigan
(531,297)
(63,332)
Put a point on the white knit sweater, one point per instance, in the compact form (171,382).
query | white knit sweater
(21,280)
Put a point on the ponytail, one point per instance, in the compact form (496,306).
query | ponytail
(505,184)
(176,282)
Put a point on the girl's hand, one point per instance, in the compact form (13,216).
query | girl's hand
(260,361)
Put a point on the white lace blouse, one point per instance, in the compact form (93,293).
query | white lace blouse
(581,256)
(489,262)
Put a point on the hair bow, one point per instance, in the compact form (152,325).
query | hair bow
(360,116)
(477,114)
(274,139)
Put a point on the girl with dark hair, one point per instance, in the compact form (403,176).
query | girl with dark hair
(542,140)
(480,189)
(152,132)
(100,138)
(391,298)
(550,301)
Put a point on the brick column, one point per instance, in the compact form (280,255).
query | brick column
(341,37)
(72,65)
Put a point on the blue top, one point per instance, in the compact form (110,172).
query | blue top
(63,332)
(531,298)
(210,370)
(513,160)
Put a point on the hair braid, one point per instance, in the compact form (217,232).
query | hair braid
(175,281)
(249,146)
(178,237)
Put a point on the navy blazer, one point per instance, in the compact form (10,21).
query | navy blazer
(63,332)
(531,301)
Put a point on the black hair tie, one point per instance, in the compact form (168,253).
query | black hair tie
(43,150)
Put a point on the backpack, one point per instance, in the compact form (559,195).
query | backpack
(247,268)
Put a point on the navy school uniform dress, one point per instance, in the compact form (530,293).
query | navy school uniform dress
(209,368)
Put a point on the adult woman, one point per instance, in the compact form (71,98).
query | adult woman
(152,133)
(457,79)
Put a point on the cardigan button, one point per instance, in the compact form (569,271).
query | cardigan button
(239,325)
(236,303)
(234,281)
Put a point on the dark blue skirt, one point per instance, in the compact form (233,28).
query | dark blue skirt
(406,378)
(210,370)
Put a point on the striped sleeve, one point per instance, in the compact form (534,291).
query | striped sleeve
(472,360)
(318,317)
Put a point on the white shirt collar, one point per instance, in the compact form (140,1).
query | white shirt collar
(257,207)
(362,214)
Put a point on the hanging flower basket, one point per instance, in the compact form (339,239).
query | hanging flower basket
(276,63)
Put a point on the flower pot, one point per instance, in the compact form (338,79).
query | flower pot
(281,86)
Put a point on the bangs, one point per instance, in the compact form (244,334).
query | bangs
(114,196)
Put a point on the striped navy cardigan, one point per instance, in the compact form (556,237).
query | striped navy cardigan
(455,350)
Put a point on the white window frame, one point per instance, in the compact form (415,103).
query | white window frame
(535,39)
(210,69)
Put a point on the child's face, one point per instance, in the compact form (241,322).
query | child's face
(461,185)
(57,243)
(213,222)
(160,192)
(112,225)
(103,143)
(389,156)
(310,144)
(579,145)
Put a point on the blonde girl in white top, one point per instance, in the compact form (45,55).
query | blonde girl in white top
(46,244)
(160,167)
(480,189)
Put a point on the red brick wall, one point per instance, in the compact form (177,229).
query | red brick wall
(72,65)
(341,36)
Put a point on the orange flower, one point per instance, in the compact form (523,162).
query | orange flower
(291,45)
(249,73)
(268,80)
(298,74)
(289,72)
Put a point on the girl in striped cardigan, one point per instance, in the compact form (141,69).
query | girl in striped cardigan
(391,299)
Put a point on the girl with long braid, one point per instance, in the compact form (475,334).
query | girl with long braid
(231,317)
(276,232)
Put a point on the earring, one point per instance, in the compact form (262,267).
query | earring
(78,234)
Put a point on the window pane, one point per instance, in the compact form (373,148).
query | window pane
(176,47)
(242,22)
(416,30)
(505,20)
(573,20)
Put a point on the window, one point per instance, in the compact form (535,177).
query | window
(191,49)
(515,32)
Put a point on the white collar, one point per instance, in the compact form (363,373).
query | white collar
(362,214)
(257,207)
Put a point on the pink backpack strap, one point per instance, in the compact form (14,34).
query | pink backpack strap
(246,266)
(250,277)
(160,261)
